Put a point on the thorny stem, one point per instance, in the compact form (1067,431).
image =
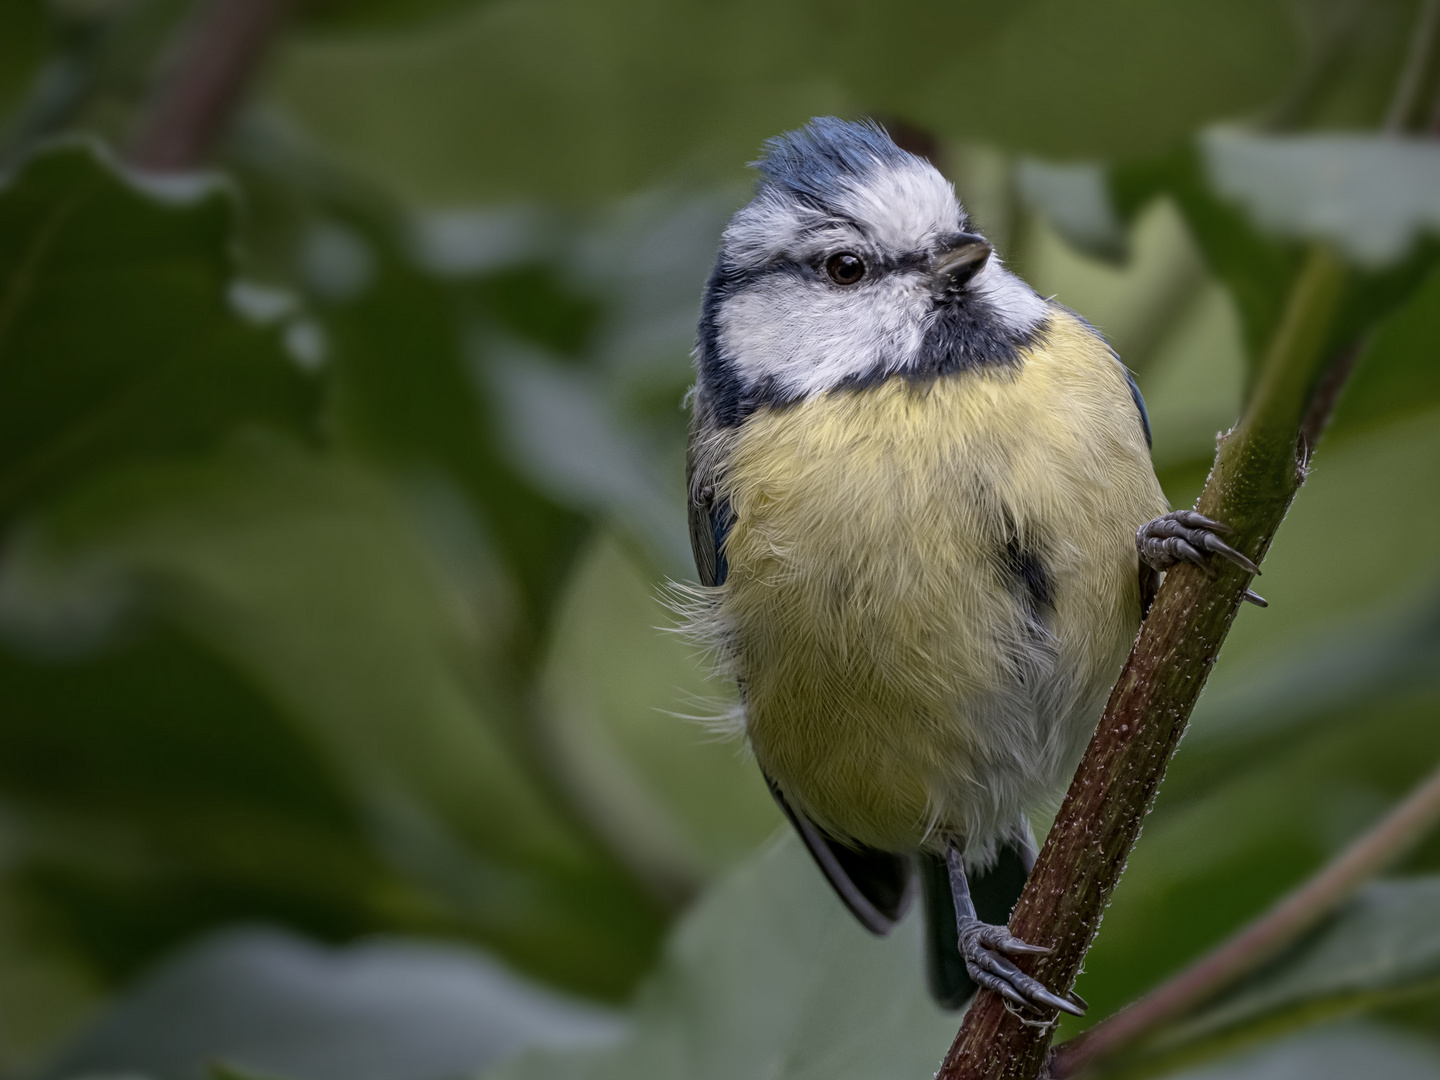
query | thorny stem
(216,53)
(1263,938)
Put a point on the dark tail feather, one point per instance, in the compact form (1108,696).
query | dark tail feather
(994,893)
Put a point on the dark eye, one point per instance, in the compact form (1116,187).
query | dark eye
(845,268)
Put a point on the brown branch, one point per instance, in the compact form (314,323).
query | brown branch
(1283,924)
(216,53)
(1326,397)
(1258,469)
(1257,472)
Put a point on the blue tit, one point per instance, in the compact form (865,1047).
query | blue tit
(926,526)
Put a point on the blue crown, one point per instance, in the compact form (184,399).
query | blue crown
(826,152)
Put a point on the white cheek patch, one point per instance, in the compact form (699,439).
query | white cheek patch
(803,337)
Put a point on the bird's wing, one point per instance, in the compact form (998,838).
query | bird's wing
(709,517)
(1139,402)
(1149,578)
(994,893)
(877,886)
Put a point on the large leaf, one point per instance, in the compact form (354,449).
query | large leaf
(96,753)
(1253,201)
(1383,944)
(404,394)
(1371,197)
(116,336)
(1349,1051)
(400,342)
(277,1004)
(683,802)
(582,101)
(378,15)
(1397,373)
(311,578)
(22,48)
(770,976)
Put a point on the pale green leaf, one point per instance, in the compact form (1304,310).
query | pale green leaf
(771,977)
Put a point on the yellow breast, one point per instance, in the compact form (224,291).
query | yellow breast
(931,586)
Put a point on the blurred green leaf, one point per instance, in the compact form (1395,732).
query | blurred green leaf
(1224,849)
(1383,944)
(1251,202)
(1353,52)
(1255,270)
(570,444)
(96,754)
(309,576)
(770,976)
(1075,200)
(405,393)
(1370,197)
(1397,374)
(269,1003)
(683,802)
(378,15)
(405,329)
(564,100)
(24,35)
(1348,1051)
(116,336)
(1372,657)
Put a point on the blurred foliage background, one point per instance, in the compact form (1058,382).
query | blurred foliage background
(340,733)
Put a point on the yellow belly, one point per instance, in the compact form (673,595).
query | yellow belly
(931,588)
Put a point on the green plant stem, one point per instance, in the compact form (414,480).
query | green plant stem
(1283,924)
(1258,469)
(1411,82)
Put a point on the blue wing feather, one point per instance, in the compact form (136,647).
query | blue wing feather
(1139,403)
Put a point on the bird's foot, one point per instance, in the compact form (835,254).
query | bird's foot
(983,945)
(1188,536)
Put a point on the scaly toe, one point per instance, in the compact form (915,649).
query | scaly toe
(1188,536)
(981,946)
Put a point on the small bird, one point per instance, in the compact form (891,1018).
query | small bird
(926,527)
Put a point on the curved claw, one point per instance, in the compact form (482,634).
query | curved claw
(1215,544)
(1191,554)
(1188,536)
(1015,947)
(1056,1002)
(1196,520)
(1000,986)
(981,946)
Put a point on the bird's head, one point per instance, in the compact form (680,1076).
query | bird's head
(853,262)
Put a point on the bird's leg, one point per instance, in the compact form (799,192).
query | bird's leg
(1188,536)
(982,946)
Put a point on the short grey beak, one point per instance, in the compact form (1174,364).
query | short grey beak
(956,265)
